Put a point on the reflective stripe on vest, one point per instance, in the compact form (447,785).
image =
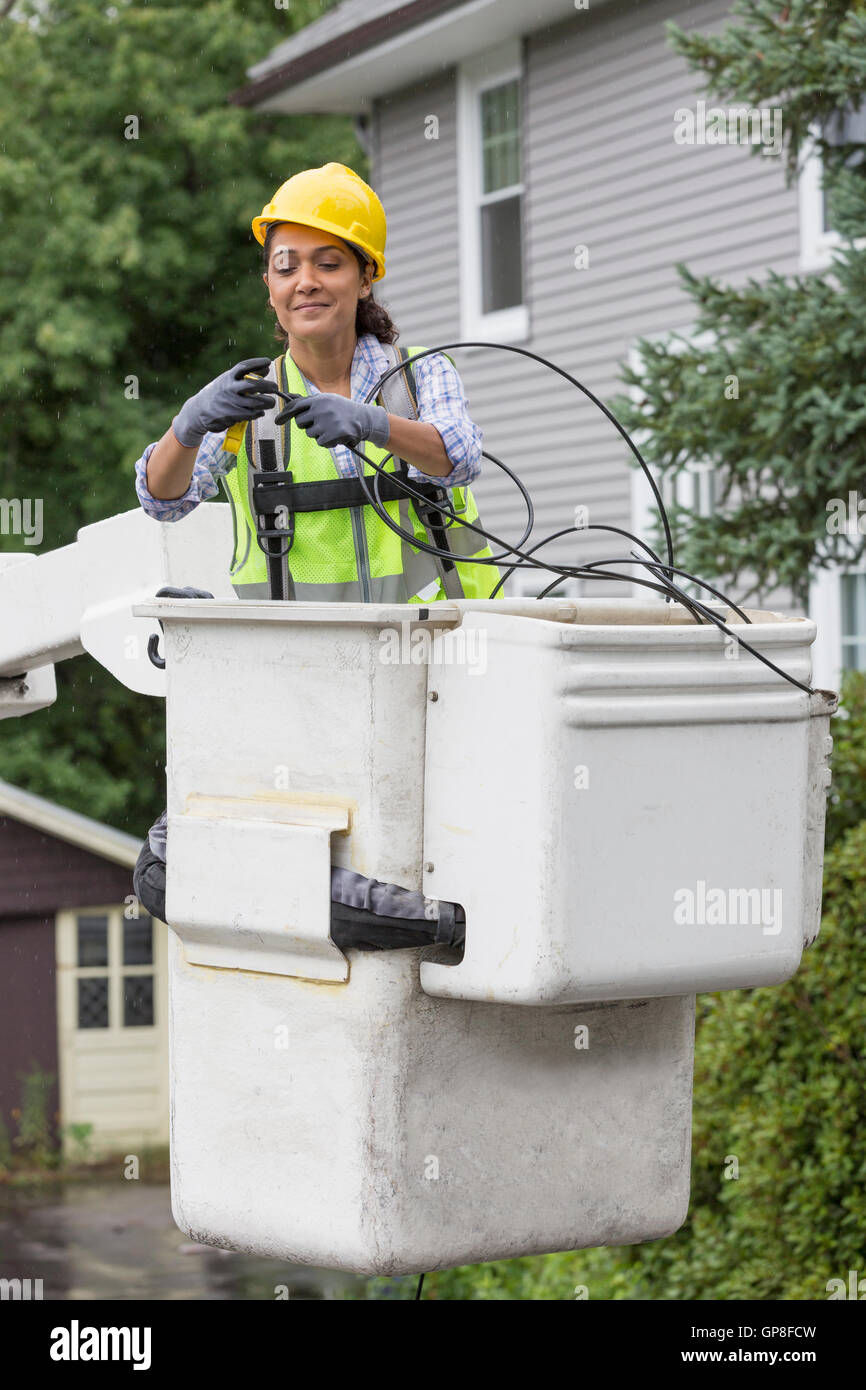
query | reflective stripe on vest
(347,554)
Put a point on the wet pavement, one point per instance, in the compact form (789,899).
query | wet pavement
(116,1239)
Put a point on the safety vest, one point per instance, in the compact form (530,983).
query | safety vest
(347,553)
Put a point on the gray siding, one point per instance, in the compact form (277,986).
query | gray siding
(601,168)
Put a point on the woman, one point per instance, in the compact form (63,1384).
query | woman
(339,342)
(323,238)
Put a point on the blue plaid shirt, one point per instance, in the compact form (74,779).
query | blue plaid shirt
(441,402)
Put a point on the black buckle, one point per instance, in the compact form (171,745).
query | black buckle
(430,509)
(265,532)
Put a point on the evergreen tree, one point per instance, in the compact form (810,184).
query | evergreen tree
(788,436)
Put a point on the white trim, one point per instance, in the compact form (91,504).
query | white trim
(816,245)
(408,59)
(825,608)
(495,67)
(95,1064)
(75,829)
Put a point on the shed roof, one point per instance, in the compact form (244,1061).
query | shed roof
(75,829)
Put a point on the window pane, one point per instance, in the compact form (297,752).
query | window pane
(138,941)
(92,940)
(137,1000)
(500,136)
(93,1002)
(845,126)
(501,255)
(853,595)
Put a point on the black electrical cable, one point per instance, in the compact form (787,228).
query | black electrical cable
(598,526)
(668,569)
(524,352)
(670,590)
(713,617)
(525,558)
(567,571)
(595,526)
(488,560)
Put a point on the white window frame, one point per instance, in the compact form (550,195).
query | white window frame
(816,254)
(816,245)
(114,972)
(825,610)
(498,65)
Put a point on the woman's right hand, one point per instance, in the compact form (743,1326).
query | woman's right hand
(225,400)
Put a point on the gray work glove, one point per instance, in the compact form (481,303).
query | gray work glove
(224,401)
(331,420)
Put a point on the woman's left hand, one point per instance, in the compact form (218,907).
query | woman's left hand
(332,419)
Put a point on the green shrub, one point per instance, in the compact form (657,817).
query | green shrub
(34,1136)
(846,802)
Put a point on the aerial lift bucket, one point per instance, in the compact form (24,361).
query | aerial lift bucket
(569,772)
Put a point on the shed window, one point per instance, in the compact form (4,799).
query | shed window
(114,970)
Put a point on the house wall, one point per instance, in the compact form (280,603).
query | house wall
(28,1010)
(601,167)
(39,875)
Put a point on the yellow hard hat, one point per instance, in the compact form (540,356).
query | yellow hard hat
(334,199)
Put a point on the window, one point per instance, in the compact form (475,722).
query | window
(837,604)
(852,594)
(114,970)
(501,197)
(817,238)
(490,158)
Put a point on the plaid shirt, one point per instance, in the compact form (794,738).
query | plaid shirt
(441,402)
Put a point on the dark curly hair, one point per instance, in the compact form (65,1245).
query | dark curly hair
(370,316)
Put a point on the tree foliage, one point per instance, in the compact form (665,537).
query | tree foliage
(793,436)
(128,181)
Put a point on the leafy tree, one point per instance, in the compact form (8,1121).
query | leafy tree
(127,184)
(793,438)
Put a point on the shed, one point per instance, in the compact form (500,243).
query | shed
(83,983)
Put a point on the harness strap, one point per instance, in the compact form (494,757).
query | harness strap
(272,538)
(400,397)
(273,494)
(272,490)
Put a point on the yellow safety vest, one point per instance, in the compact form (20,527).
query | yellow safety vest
(347,553)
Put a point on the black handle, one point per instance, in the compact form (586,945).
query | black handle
(153,651)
